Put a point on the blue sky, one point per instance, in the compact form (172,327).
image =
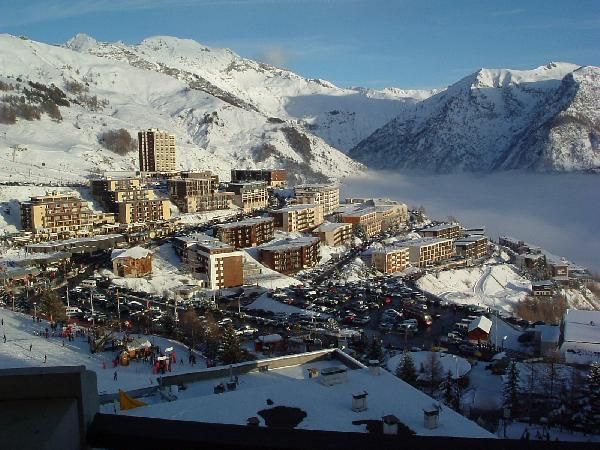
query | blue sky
(374,43)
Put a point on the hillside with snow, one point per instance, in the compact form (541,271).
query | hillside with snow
(65,98)
(545,119)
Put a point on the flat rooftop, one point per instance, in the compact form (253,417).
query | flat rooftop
(326,407)
(245,222)
(424,241)
(331,226)
(440,227)
(294,243)
(582,326)
(296,207)
(470,239)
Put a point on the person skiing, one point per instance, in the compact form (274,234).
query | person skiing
(4,338)
(45,358)
(115,376)
(30,347)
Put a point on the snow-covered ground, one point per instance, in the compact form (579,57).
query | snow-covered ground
(267,303)
(456,365)
(267,277)
(494,285)
(167,273)
(19,330)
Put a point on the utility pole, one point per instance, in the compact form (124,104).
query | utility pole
(92,304)
(119,310)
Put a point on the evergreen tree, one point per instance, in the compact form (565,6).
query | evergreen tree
(375,351)
(591,416)
(53,307)
(168,322)
(406,369)
(511,389)
(232,349)
(433,371)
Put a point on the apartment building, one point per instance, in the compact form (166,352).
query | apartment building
(334,234)
(326,195)
(392,215)
(217,263)
(144,210)
(110,191)
(156,151)
(427,251)
(363,220)
(298,217)
(246,233)
(442,231)
(249,196)
(198,191)
(61,214)
(391,259)
(471,247)
(275,178)
(291,256)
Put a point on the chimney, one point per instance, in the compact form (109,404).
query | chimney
(432,417)
(359,401)
(390,424)
(374,367)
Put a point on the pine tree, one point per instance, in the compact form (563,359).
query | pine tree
(406,369)
(53,307)
(449,389)
(168,323)
(433,371)
(375,351)
(592,405)
(232,349)
(511,389)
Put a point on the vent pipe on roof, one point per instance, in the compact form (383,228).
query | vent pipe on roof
(359,401)
(374,367)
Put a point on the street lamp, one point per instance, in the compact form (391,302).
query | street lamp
(503,340)
(35,311)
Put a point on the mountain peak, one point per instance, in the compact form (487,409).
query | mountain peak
(81,42)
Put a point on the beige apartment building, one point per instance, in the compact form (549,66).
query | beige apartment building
(219,264)
(334,234)
(249,196)
(471,247)
(156,151)
(391,259)
(326,195)
(198,191)
(298,217)
(62,214)
(141,211)
(443,231)
(246,233)
(364,220)
(427,251)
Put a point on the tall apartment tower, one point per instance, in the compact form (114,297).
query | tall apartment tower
(157,151)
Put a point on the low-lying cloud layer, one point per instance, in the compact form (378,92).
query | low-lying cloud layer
(560,212)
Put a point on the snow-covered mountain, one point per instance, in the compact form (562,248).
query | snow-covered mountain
(342,117)
(227,111)
(546,119)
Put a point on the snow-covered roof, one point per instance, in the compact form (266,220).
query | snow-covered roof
(133,252)
(296,207)
(270,338)
(582,326)
(331,226)
(424,242)
(326,407)
(246,222)
(469,239)
(482,322)
(291,244)
(439,227)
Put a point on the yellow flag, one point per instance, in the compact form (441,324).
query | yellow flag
(128,402)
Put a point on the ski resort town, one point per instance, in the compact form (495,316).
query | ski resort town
(283,305)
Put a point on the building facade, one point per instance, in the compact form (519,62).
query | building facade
(298,217)
(471,247)
(364,221)
(61,214)
(156,151)
(276,178)
(198,191)
(391,259)
(326,195)
(292,256)
(249,196)
(141,211)
(334,234)
(427,251)
(246,233)
(135,262)
(443,231)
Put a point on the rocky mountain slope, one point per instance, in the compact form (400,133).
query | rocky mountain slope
(546,119)
(57,102)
